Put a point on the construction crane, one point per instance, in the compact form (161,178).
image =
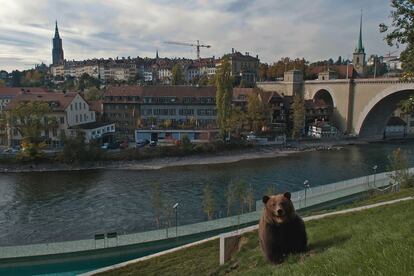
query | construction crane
(198,45)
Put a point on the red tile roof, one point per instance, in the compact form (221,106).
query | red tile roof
(14,91)
(62,99)
(160,91)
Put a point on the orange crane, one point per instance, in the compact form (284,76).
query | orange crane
(198,45)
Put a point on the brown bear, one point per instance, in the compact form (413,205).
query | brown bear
(281,230)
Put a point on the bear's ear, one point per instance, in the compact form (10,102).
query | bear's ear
(287,195)
(265,199)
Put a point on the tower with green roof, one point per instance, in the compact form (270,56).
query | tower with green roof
(359,54)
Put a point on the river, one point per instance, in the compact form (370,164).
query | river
(57,206)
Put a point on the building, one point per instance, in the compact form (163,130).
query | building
(358,58)
(244,68)
(322,129)
(171,136)
(132,107)
(71,113)
(396,127)
(57,51)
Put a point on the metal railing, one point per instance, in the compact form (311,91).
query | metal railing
(314,196)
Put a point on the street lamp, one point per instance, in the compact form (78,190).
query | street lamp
(375,167)
(306,184)
(175,207)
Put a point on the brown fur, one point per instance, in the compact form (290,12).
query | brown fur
(281,230)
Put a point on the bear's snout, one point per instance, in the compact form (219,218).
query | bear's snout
(280,212)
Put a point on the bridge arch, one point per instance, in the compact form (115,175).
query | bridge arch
(373,118)
(324,93)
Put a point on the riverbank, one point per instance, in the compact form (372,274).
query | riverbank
(225,157)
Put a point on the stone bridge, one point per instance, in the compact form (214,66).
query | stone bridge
(361,106)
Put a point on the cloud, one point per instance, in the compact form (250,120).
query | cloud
(317,29)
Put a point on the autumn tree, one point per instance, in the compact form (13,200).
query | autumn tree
(407,106)
(208,201)
(399,169)
(298,108)
(224,94)
(93,94)
(157,201)
(31,119)
(2,83)
(177,75)
(236,122)
(258,112)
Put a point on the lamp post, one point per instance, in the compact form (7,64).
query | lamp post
(306,184)
(375,167)
(175,207)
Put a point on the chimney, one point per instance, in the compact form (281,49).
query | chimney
(232,50)
(257,56)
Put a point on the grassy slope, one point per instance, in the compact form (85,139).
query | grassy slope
(379,241)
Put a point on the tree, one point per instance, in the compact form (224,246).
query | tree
(224,94)
(177,75)
(203,80)
(407,106)
(157,203)
(399,167)
(298,108)
(258,112)
(93,94)
(249,198)
(74,150)
(86,81)
(402,32)
(263,68)
(2,83)
(236,122)
(208,202)
(31,119)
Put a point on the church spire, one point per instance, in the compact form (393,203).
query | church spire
(360,48)
(156,55)
(56,30)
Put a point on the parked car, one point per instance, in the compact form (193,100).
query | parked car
(105,146)
(114,145)
(10,151)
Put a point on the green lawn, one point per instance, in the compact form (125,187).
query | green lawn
(378,241)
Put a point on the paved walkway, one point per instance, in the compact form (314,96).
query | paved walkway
(242,231)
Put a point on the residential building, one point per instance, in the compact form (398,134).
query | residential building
(322,129)
(132,107)
(244,67)
(396,127)
(72,113)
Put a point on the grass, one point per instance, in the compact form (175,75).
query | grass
(378,241)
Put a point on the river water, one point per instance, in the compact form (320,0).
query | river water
(58,206)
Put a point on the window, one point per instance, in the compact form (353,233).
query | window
(76,118)
(412,124)
(80,117)
(62,120)
(71,107)
(84,117)
(76,106)
(84,105)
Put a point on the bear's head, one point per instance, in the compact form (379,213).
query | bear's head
(278,208)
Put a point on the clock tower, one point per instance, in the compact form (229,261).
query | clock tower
(358,58)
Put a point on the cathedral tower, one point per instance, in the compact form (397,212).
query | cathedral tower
(57,52)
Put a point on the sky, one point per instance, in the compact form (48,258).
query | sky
(313,29)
